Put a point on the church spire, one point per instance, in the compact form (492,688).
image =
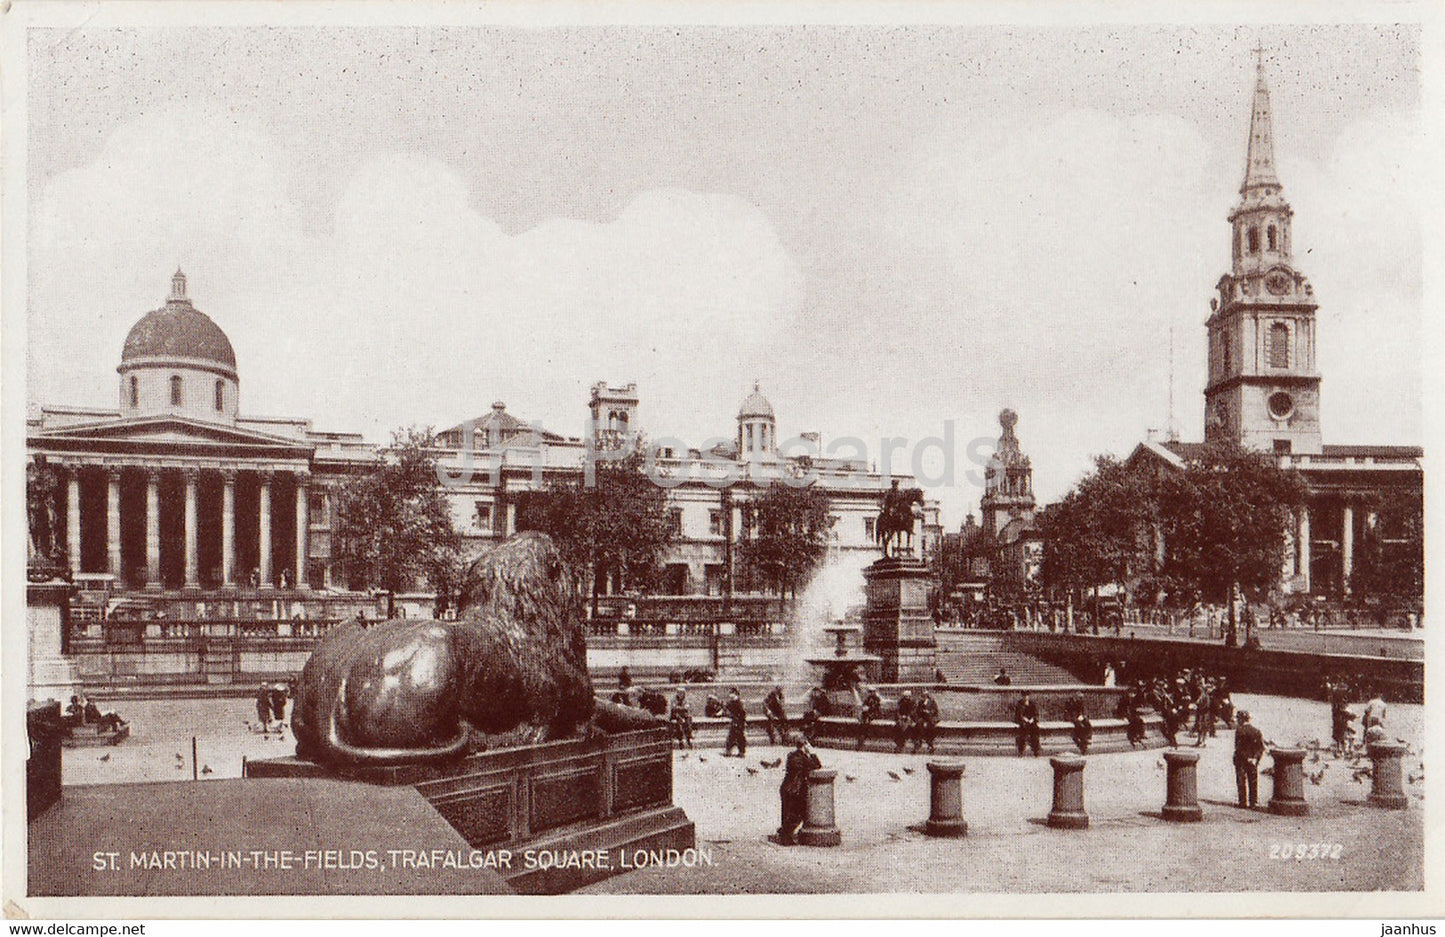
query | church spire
(1259,164)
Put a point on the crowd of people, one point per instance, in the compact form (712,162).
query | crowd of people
(83,711)
(1188,701)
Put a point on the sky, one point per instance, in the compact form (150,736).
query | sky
(890,228)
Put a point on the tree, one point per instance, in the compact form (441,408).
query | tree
(617,527)
(394,527)
(1225,519)
(785,535)
(1098,533)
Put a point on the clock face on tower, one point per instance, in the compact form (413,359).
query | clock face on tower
(1277,281)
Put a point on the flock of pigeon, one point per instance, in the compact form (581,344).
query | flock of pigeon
(778,763)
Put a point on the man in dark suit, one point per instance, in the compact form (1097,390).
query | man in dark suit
(1248,750)
(777,718)
(903,723)
(1026,715)
(737,724)
(925,715)
(794,790)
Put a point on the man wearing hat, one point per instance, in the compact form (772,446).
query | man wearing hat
(1248,750)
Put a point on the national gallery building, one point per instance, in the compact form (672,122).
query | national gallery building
(175,502)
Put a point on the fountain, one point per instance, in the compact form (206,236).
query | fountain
(840,669)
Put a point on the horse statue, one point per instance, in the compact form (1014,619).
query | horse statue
(902,509)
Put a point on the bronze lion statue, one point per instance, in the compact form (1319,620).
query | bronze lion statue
(409,691)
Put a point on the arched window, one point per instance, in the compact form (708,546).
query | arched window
(1279,345)
(1272,236)
(220,396)
(176,390)
(622,421)
(134,391)
(1254,240)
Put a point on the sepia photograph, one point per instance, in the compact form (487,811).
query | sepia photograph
(616,459)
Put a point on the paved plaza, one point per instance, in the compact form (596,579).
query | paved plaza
(1126,848)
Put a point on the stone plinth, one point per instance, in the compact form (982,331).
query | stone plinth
(49,673)
(1387,789)
(1068,810)
(897,626)
(611,792)
(1181,796)
(945,803)
(821,826)
(1288,798)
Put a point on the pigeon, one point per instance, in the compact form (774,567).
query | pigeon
(179,766)
(1159,763)
(752,770)
(1413,778)
(179,757)
(1316,777)
(907,770)
(206,769)
(702,758)
(1315,757)
(894,775)
(771,764)
(105,757)
(849,778)
(1362,773)
(682,756)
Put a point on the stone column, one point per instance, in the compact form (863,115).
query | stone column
(1068,810)
(153,530)
(511,519)
(303,522)
(821,826)
(263,533)
(112,521)
(1288,798)
(1386,790)
(193,580)
(228,528)
(945,803)
(1304,547)
(72,519)
(1181,798)
(1347,546)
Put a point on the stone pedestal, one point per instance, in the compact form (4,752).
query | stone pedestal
(1181,796)
(945,805)
(49,673)
(821,826)
(1387,789)
(1068,812)
(897,626)
(1288,798)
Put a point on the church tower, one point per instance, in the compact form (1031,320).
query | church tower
(1263,391)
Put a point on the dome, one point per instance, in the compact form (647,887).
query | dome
(179,330)
(755,406)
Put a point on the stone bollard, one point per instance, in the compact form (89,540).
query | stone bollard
(1288,798)
(1387,790)
(945,805)
(820,828)
(1068,812)
(1181,792)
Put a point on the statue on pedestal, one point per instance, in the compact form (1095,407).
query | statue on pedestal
(902,509)
(45,559)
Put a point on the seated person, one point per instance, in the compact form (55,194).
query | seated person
(75,712)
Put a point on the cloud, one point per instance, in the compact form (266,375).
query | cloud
(405,304)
